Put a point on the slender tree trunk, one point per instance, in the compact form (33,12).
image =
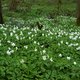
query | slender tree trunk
(13,5)
(78,12)
(1,18)
(59,3)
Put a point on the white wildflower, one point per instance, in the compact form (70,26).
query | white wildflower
(44,57)
(11,34)
(74,63)
(13,44)
(35,50)
(51,59)
(8,52)
(68,58)
(29,37)
(12,51)
(22,61)
(78,48)
(16,48)
(61,42)
(42,34)
(9,41)
(58,44)
(44,51)
(26,47)
(60,55)
(67,43)
(35,42)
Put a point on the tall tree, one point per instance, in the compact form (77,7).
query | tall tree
(78,12)
(1,17)
(59,3)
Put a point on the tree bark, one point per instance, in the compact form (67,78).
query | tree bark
(1,17)
(78,13)
(13,5)
(59,3)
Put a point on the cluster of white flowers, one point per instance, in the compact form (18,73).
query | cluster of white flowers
(21,35)
(13,44)
(9,51)
(26,47)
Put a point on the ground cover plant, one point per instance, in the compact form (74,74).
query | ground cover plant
(39,40)
(49,53)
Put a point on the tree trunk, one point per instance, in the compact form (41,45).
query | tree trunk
(13,5)
(78,12)
(1,18)
(59,3)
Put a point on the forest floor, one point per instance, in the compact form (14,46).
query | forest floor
(48,51)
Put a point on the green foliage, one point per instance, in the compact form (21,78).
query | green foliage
(52,53)
(49,53)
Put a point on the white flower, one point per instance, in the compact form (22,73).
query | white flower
(38,43)
(71,37)
(16,48)
(61,42)
(67,43)
(29,33)
(8,52)
(9,41)
(13,44)
(11,34)
(75,38)
(74,63)
(21,33)
(26,47)
(42,34)
(49,34)
(35,50)
(68,58)
(14,31)
(76,44)
(44,51)
(17,37)
(60,55)
(70,45)
(78,48)
(42,46)
(34,42)
(59,35)
(32,35)
(12,51)
(9,48)
(29,37)
(22,61)
(51,59)
(44,57)
(58,44)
